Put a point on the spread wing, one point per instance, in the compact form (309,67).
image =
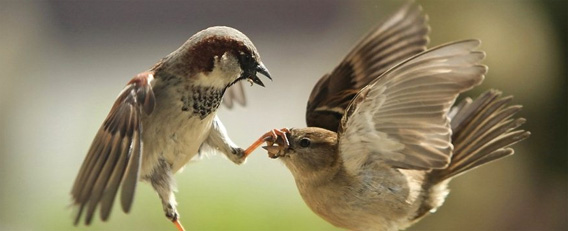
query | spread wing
(401,118)
(114,157)
(401,36)
(235,94)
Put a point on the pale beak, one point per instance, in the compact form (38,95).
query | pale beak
(274,151)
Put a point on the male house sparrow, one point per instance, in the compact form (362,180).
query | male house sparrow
(382,143)
(162,119)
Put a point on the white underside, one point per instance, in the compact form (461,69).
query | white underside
(174,134)
(178,141)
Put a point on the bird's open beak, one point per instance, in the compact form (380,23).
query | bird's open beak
(278,143)
(260,68)
(275,151)
(274,136)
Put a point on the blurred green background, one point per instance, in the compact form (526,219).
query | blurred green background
(62,63)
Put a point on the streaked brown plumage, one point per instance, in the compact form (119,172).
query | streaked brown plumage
(163,118)
(383,141)
(400,36)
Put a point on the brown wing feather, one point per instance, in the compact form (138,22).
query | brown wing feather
(401,117)
(401,36)
(114,156)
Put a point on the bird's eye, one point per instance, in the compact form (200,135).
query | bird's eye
(305,142)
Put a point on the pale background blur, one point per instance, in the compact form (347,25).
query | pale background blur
(62,63)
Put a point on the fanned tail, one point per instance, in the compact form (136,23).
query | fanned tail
(483,130)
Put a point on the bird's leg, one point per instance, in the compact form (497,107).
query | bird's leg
(178,225)
(269,137)
(163,183)
(219,140)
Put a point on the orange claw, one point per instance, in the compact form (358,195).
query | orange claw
(178,225)
(270,136)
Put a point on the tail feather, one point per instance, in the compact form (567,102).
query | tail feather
(483,129)
(492,134)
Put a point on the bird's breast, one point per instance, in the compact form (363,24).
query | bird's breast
(201,101)
(376,199)
(179,125)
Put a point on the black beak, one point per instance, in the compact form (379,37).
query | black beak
(260,68)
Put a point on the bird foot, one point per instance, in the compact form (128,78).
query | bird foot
(237,155)
(178,225)
(270,138)
(281,140)
(173,216)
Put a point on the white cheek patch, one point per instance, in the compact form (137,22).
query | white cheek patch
(228,63)
(226,69)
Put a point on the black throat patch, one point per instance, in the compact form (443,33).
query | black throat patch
(202,100)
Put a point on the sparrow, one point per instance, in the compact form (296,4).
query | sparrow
(383,140)
(165,117)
